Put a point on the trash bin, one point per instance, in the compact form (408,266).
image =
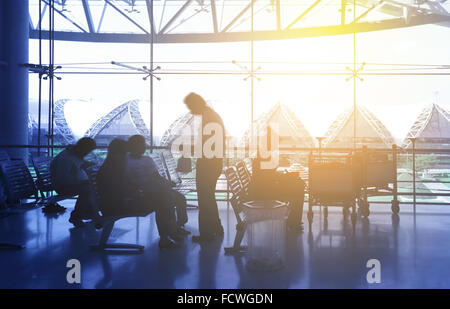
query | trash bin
(266,234)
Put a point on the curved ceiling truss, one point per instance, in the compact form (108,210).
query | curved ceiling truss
(61,126)
(107,120)
(206,21)
(137,120)
(175,129)
(132,109)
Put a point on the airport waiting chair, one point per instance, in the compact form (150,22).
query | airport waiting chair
(2,195)
(107,223)
(158,160)
(168,168)
(18,182)
(187,185)
(103,244)
(244,176)
(3,198)
(4,157)
(171,167)
(44,183)
(249,165)
(238,197)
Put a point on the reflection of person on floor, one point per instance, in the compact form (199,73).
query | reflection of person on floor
(69,178)
(208,168)
(143,173)
(208,264)
(120,195)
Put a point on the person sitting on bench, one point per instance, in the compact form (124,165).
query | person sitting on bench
(69,178)
(145,172)
(120,197)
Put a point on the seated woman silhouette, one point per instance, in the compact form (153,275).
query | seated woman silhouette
(118,196)
(144,171)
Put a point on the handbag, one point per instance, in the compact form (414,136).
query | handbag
(184,165)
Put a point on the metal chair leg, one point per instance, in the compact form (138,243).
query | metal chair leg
(237,248)
(106,232)
(104,245)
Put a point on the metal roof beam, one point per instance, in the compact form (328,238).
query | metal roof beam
(177,14)
(41,17)
(65,17)
(278,9)
(151,19)
(214,16)
(359,27)
(303,14)
(126,16)
(373,7)
(87,13)
(101,17)
(252,2)
(162,15)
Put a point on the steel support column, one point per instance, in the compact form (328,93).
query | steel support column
(14,34)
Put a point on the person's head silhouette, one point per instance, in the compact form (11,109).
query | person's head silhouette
(136,145)
(84,146)
(195,103)
(117,147)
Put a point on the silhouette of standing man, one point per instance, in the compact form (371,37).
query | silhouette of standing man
(208,169)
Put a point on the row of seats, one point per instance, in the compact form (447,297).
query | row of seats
(17,181)
(19,185)
(238,179)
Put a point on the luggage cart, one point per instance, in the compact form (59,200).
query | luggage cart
(332,182)
(376,173)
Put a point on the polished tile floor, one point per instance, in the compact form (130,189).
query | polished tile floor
(414,252)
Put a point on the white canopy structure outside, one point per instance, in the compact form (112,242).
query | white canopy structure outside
(291,131)
(370,131)
(432,129)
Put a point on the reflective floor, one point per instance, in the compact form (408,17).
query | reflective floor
(414,252)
